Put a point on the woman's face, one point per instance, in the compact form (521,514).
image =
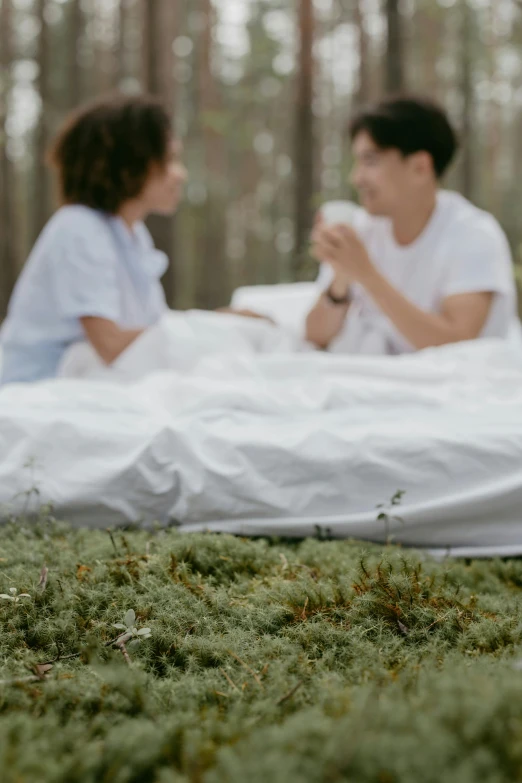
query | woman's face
(164,187)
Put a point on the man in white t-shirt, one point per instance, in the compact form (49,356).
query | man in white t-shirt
(419,266)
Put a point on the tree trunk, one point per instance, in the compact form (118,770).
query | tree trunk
(494,127)
(75,87)
(159,32)
(394,78)
(122,57)
(41,187)
(304,136)
(467,124)
(363,89)
(212,286)
(8,264)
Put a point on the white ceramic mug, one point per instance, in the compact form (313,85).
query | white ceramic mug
(335,212)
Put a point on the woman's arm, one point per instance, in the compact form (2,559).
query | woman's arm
(107,339)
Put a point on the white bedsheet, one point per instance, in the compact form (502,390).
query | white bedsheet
(279,443)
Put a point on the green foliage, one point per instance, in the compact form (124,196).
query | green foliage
(258,660)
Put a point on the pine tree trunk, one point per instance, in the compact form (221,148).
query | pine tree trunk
(394,77)
(212,286)
(122,57)
(8,266)
(106,49)
(467,124)
(159,18)
(494,127)
(41,187)
(363,89)
(75,87)
(304,136)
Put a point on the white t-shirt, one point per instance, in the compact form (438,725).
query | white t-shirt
(462,250)
(85,263)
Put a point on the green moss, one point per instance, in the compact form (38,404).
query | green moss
(268,660)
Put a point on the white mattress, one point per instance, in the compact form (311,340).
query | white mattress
(278,443)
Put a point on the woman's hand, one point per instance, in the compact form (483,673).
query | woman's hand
(245,314)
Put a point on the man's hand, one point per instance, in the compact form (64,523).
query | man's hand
(326,319)
(341,248)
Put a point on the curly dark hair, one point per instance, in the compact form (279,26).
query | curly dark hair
(104,151)
(410,124)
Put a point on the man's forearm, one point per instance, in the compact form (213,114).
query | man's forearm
(420,328)
(327,319)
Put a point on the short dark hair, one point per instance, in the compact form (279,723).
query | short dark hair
(104,151)
(409,124)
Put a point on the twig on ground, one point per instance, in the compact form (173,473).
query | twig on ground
(124,652)
(247,667)
(109,531)
(40,671)
(125,544)
(61,657)
(289,695)
(229,680)
(44,573)
(20,680)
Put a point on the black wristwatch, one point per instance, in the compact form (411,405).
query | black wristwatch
(337,300)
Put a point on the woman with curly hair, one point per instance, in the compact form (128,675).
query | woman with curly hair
(94,273)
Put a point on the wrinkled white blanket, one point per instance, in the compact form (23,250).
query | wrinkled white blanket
(280,443)
(180,341)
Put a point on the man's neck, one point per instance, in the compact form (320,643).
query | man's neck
(411,219)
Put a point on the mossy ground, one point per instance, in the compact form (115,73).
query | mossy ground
(268,661)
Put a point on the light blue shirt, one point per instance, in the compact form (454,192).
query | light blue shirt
(85,263)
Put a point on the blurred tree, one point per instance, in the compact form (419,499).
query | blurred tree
(364,82)
(467,34)
(212,287)
(494,124)
(75,86)
(124,65)
(41,201)
(159,26)
(394,69)
(8,220)
(105,44)
(304,135)
(426,40)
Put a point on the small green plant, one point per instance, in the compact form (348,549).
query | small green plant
(387,517)
(130,632)
(14,596)
(323,533)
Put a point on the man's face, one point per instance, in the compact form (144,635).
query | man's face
(164,187)
(384,178)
